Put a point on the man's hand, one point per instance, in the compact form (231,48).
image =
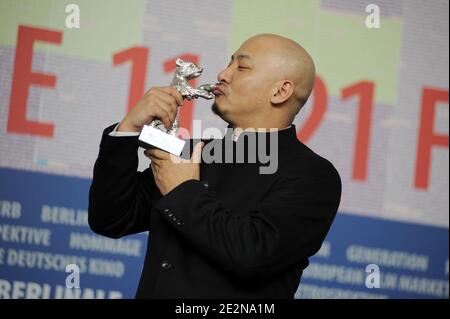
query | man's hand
(158,102)
(170,171)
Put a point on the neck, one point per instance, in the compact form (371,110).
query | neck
(237,130)
(281,138)
(263,122)
(259,125)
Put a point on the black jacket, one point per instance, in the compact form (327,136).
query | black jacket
(236,233)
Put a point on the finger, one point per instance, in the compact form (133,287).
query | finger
(174,92)
(169,107)
(154,168)
(169,99)
(169,90)
(148,155)
(154,160)
(169,104)
(197,153)
(177,160)
(152,90)
(161,113)
(158,154)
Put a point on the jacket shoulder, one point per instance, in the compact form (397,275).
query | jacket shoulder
(304,160)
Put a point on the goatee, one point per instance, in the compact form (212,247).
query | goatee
(215,109)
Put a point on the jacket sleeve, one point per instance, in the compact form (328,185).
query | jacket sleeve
(285,229)
(120,196)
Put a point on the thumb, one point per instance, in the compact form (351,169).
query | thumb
(197,153)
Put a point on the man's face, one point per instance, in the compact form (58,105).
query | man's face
(244,85)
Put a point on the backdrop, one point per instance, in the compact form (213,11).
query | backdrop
(379,112)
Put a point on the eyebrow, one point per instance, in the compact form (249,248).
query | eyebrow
(241,56)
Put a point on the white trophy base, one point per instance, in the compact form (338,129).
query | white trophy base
(152,137)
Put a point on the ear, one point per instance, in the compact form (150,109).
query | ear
(178,62)
(281,92)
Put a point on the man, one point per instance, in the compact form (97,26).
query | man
(223,230)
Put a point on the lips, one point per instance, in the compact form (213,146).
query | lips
(218,91)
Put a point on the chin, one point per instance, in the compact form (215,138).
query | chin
(215,108)
(218,110)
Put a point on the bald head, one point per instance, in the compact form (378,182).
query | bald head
(268,80)
(289,61)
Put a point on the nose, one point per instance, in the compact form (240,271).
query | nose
(225,75)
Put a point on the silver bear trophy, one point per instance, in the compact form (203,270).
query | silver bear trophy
(184,72)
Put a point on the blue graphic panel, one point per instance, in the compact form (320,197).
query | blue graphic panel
(43,227)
